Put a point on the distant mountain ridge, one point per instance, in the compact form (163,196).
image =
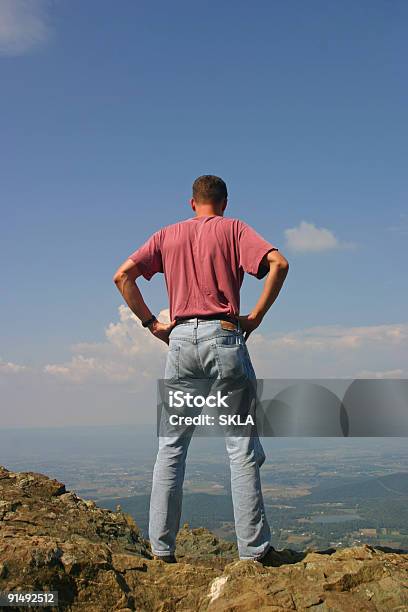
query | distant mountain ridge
(372,487)
(97,560)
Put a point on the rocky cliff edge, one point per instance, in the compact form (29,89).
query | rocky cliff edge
(97,560)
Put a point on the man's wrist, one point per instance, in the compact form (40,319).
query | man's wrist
(152,325)
(149,322)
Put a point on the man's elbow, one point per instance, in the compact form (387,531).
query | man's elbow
(284,265)
(119,278)
(278,261)
(126,274)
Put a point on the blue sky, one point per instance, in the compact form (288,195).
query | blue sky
(110,110)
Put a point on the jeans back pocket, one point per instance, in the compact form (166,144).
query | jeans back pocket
(230,360)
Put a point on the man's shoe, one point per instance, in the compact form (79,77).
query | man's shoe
(165,558)
(270,558)
(275,558)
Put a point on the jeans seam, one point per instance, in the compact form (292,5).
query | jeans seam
(178,363)
(217,357)
(176,349)
(245,361)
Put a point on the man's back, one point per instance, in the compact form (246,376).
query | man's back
(203,259)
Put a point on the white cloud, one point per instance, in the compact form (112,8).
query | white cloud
(130,353)
(24,25)
(7,367)
(336,337)
(309,238)
(331,351)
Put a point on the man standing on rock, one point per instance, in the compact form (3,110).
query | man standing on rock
(204,259)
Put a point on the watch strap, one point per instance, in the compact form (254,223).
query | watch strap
(149,321)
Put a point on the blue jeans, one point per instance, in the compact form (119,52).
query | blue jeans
(203,349)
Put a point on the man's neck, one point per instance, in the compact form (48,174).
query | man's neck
(208,211)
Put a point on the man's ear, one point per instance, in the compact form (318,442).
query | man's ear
(193,204)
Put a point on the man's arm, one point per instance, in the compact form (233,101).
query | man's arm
(278,269)
(125,280)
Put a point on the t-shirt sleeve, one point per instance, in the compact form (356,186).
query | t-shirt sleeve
(252,249)
(148,257)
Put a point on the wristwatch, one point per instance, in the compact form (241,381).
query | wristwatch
(149,321)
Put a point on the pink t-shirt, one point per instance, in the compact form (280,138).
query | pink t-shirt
(203,260)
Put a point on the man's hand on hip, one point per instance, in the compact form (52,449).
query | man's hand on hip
(162,330)
(248,323)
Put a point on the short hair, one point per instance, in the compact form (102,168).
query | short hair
(209,188)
